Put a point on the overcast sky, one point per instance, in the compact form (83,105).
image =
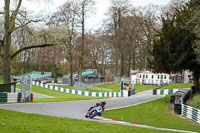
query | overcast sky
(101,6)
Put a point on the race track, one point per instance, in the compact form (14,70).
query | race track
(77,109)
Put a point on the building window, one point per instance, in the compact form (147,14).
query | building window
(161,76)
(146,76)
(140,76)
(158,76)
(152,76)
(165,77)
(143,76)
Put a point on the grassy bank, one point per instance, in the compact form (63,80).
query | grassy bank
(154,113)
(16,122)
(196,101)
(179,85)
(140,88)
(59,96)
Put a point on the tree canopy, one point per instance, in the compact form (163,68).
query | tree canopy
(176,42)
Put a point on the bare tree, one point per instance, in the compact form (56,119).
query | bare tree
(118,10)
(85,6)
(67,16)
(10,18)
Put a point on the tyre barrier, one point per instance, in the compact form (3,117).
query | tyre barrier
(6,97)
(122,93)
(178,98)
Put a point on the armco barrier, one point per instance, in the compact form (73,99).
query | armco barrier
(10,97)
(191,113)
(123,93)
(186,111)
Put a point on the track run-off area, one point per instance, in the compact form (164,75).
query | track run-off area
(77,109)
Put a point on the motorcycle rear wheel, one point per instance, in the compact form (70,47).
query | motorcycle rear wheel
(93,115)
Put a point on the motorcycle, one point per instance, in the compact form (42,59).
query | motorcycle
(94,112)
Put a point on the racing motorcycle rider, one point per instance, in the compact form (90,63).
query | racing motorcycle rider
(102,104)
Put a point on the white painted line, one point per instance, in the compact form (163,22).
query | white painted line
(43,95)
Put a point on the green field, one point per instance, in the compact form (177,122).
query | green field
(154,113)
(16,122)
(59,96)
(175,86)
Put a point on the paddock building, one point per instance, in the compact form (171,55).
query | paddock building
(147,77)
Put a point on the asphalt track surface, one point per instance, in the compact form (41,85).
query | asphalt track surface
(77,109)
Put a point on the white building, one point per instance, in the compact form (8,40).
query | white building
(147,77)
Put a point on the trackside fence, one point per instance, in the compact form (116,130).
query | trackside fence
(6,97)
(191,113)
(122,93)
(186,111)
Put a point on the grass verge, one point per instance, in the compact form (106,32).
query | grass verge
(16,122)
(154,113)
(67,86)
(140,88)
(113,87)
(179,85)
(196,101)
(59,96)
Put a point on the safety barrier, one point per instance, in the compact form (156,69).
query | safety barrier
(191,113)
(6,97)
(123,93)
(164,92)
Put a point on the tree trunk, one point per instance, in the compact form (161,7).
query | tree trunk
(133,61)
(6,62)
(70,69)
(122,64)
(115,66)
(71,73)
(82,43)
(104,68)
(129,64)
(80,72)
(7,42)
(196,78)
(55,73)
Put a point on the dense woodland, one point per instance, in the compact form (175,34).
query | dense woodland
(144,38)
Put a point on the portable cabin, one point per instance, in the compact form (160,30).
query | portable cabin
(147,77)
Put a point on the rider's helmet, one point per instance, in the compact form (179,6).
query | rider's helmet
(103,103)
